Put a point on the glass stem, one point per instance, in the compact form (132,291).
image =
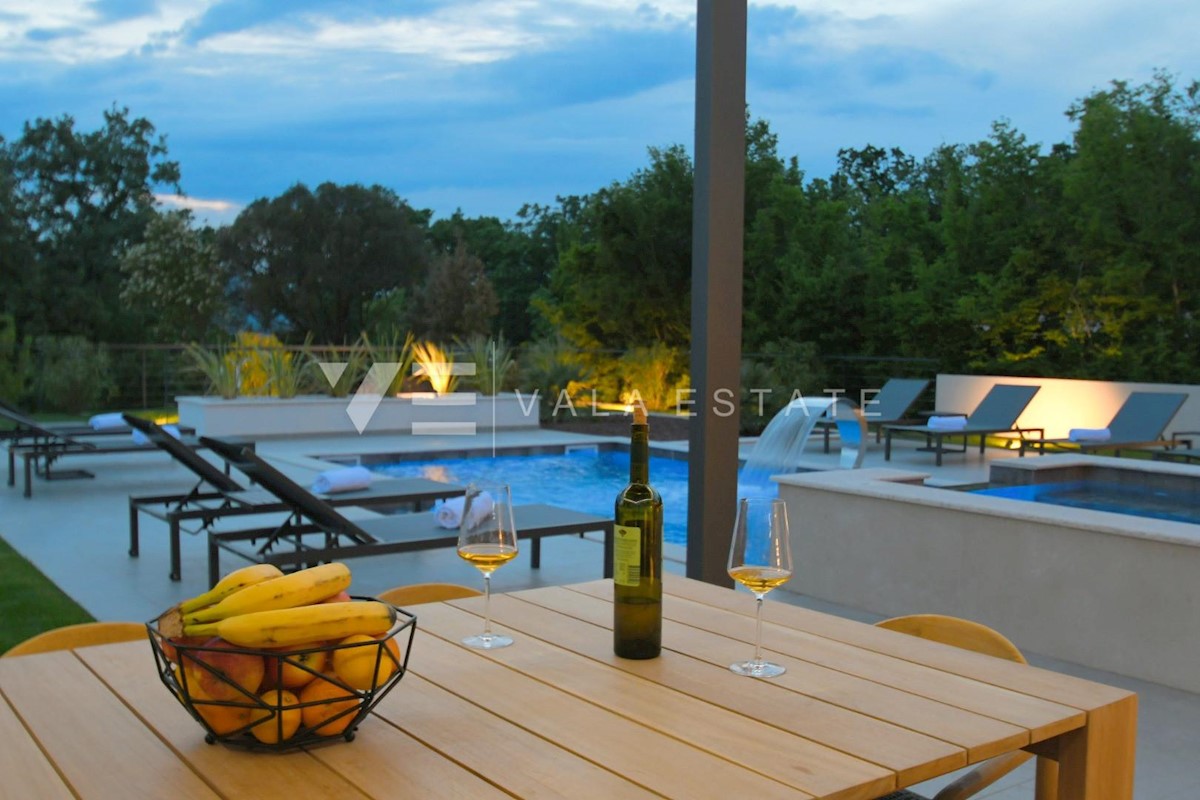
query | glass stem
(758,630)
(487,604)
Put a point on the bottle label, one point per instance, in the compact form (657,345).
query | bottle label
(627,555)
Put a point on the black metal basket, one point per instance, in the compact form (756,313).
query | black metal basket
(257,720)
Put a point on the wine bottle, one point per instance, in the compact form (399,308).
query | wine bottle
(637,554)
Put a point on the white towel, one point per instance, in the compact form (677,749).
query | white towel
(141,438)
(1089,434)
(346,479)
(956,423)
(448,514)
(107,422)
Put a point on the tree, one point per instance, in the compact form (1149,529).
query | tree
(513,257)
(1133,188)
(173,279)
(624,273)
(81,200)
(311,262)
(457,300)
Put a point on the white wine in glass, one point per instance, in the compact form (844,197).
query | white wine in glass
(760,558)
(487,539)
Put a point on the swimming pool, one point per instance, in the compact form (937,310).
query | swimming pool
(586,480)
(1099,495)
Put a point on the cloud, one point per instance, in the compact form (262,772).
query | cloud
(518,101)
(205,212)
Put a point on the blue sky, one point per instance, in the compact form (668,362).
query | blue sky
(485,105)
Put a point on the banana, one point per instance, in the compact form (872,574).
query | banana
(286,627)
(235,581)
(288,591)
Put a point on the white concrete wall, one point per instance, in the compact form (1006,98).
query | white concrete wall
(1062,404)
(321,415)
(1104,590)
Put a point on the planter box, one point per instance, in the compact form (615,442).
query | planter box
(318,415)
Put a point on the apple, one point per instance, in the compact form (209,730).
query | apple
(218,668)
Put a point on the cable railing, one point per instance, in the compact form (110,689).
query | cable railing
(147,376)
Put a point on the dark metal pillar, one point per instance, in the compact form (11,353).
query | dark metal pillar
(717,224)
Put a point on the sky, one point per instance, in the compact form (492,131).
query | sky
(486,105)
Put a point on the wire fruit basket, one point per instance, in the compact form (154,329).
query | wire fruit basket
(280,700)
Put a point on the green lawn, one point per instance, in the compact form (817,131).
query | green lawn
(29,602)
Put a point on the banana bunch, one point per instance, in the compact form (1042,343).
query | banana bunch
(259,606)
(286,627)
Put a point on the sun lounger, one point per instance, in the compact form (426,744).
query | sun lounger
(216,495)
(891,405)
(41,446)
(996,413)
(26,429)
(1139,423)
(318,532)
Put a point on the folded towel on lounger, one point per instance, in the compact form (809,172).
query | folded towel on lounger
(107,422)
(449,513)
(954,423)
(346,479)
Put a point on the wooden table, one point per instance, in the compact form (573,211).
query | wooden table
(859,712)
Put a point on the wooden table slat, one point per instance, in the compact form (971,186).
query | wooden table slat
(234,773)
(980,736)
(523,763)
(61,701)
(859,711)
(1046,684)
(811,767)
(657,763)
(24,769)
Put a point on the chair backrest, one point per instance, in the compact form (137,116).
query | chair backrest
(301,500)
(1001,406)
(27,422)
(185,455)
(416,593)
(84,634)
(894,399)
(1144,416)
(956,631)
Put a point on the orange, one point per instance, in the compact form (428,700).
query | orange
(363,666)
(297,668)
(222,720)
(330,700)
(283,723)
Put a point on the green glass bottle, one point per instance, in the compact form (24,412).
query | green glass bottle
(637,554)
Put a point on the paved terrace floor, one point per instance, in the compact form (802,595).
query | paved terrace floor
(76,532)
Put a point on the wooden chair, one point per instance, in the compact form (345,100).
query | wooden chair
(84,634)
(971,635)
(416,593)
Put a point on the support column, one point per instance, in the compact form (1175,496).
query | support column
(717,232)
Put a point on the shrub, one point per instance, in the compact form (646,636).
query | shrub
(392,349)
(357,361)
(14,361)
(658,375)
(220,367)
(773,377)
(495,369)
(72,374)
(550,369)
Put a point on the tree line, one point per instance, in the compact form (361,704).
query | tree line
(1080,259)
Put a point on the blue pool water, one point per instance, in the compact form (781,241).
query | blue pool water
(1139,501)
(587,480)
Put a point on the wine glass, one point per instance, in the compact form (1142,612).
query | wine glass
(760,558)
(487,539)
